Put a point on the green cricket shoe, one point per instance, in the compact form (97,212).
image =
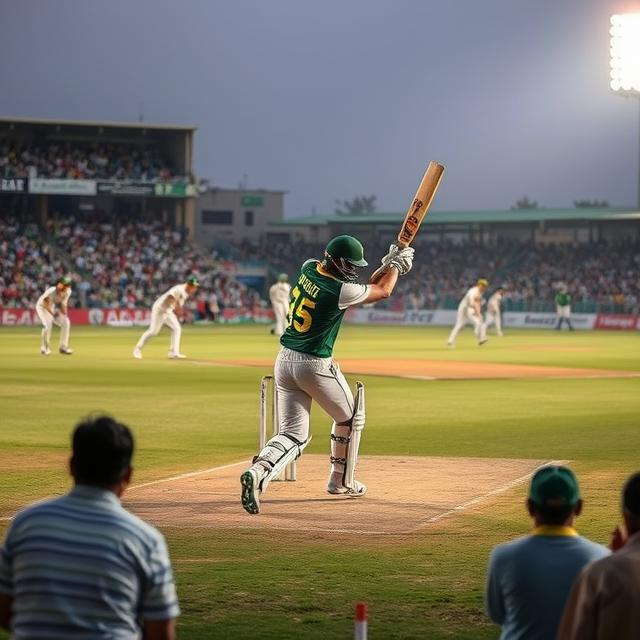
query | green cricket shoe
(250,491)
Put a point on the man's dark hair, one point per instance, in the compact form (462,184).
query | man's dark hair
(631,495)
(102,451)
(553,515)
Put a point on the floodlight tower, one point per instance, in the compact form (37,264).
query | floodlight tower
(625,61)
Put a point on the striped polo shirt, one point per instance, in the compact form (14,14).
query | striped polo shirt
(82,566)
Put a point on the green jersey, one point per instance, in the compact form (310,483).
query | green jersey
(314,311)
(563,299)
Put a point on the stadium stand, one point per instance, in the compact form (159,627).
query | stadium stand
(118,262)
(124,264)
(107,161)
(601,276)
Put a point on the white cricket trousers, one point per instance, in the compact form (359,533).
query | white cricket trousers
(464,317)
(493,317)
(280,311)
(301,378)
(48,321)
(159,317)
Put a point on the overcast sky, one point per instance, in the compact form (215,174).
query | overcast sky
(330,99)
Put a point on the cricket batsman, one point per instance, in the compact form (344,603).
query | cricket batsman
(168,309)
(470,312)
(49,315)
(305,370)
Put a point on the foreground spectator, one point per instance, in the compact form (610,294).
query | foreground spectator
(529,579)
(605,601)
(81,566)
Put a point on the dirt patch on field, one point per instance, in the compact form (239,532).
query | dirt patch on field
(404,494)
(448,370)
(29,460)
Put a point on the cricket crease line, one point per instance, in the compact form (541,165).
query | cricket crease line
(146,484)
(191,474)
(470,503)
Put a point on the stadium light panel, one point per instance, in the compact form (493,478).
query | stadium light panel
(625,53)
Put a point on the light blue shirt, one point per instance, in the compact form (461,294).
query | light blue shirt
(82,566)
(529,580)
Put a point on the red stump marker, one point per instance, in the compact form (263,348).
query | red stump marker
(361,621)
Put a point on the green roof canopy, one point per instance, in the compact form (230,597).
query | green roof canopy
(472,217)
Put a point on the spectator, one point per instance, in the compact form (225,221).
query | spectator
(529,578)
(81,566)
(604,603)
(88,161)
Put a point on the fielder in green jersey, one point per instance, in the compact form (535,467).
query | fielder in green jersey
(563,308)
(306,371)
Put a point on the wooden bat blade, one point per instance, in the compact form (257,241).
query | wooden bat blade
(420,204)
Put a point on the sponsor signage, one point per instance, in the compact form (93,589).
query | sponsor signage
(175,190)
(13,185)
(617,322)
(119,317)
(63,187)
(252,201)
(28,317)
(539,320)
(124,188)
(442,317)
(423,317)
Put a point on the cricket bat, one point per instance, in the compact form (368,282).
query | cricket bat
(419,206)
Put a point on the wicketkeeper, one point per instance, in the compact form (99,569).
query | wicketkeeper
(305,370)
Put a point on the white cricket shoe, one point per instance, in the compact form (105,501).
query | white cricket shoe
(176,356)
(65,351)
(45,351)
(356,491)
(137,354)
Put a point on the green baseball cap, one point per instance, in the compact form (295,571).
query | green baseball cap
(193,281)
(65,280)
(555,487)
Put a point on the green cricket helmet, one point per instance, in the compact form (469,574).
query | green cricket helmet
(193,281)
(345,254)
(65,281)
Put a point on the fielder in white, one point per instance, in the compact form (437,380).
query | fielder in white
(279,293)
(167,310)
(493,311)
(470,312)
(50,315)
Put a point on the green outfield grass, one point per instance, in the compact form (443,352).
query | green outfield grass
(194,415)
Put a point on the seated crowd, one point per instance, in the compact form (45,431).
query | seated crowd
(28,265)
(600,273)
(76,161)
(114,265)
(128,264)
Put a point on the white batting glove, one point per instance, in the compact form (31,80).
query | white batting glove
(403,260)
(393,251)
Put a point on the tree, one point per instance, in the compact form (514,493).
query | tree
(590,204)
(360,205)
(525,203)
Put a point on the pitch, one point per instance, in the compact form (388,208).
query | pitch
(201,413)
